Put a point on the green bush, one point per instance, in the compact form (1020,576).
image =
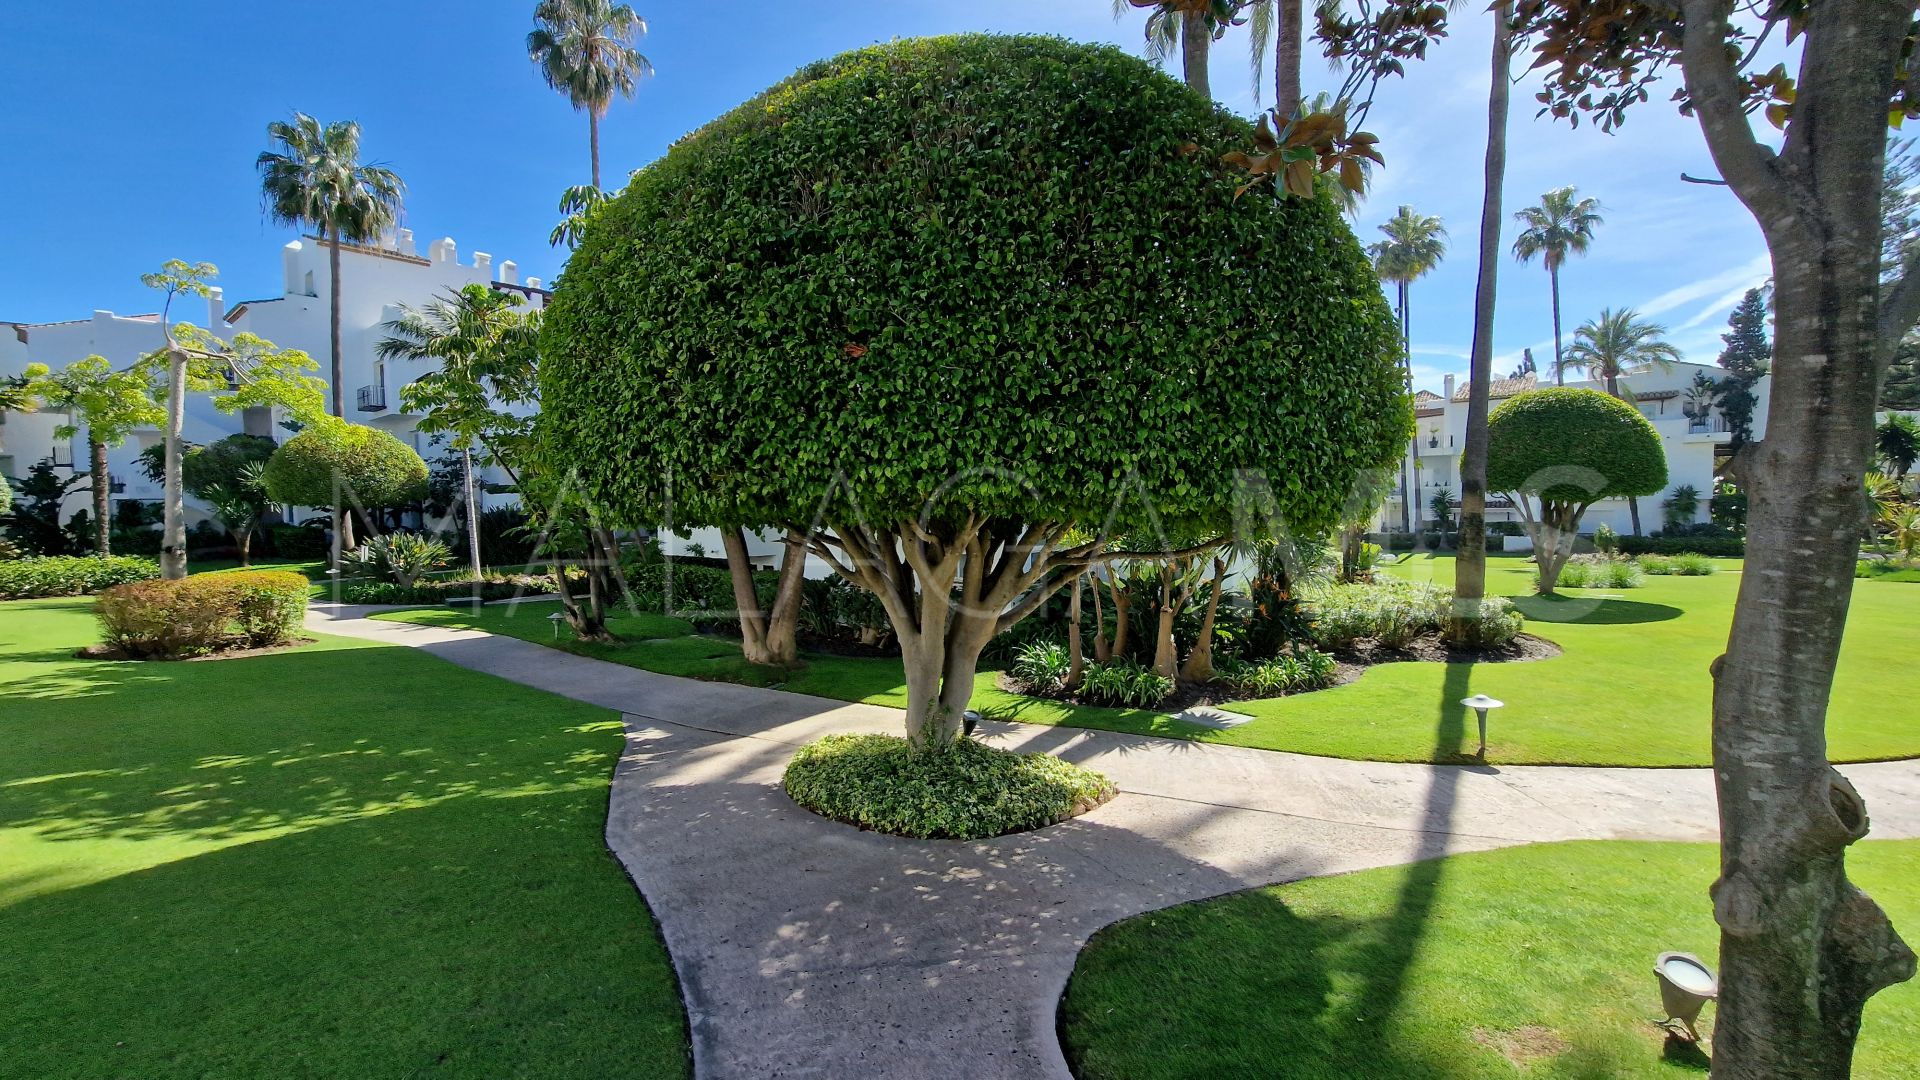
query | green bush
(1392,613)
(1719,547)
(1571,445)
(70,575)
(362,463)
(1600,572)
(1289,673)
(169,620)
(964,792)
(1605,539)
(1121,681)
(1042,666)
(444,590)
(402,558)
(1499,622)
(298,542)
(1687,564)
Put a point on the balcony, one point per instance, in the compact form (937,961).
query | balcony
(373,398)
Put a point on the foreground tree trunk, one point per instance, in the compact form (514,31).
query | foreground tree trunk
(1470,566)
(767,637)
(1291,35)
(102,532)
(1199,666)
(1801,949)
(173,513)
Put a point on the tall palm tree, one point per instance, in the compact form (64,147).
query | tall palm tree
(1559,226)
(1282,22)
(315,180)
(1188,25)
(1415,244)
(585,51)
(1614,346)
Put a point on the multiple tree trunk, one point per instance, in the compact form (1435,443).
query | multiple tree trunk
(768,636)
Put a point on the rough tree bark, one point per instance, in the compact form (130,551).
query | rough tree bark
(1801,948)
(767,637)
(1290,15)
(1195,40)
(1554,530)
(102,533)
(1470,567)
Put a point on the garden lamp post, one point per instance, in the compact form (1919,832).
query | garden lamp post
(1686,985)
(1480,704)
(556,619)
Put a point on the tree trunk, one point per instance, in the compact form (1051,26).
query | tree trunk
(1559,372)
(473,513)
(335,371)
(1470,566)
(1102,647)
(1290,15)
(1409,488)
(1122,614)
(1076,656)
(173,534)
(767,638)
(243,543)
(1199,666)
(593,141)
(1165,658)
(1801,948)
(1194,42)
(1553,535)
(102,536)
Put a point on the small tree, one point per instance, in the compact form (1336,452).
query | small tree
(336,464)
(226,475)
(938,363)
(1897,442)
(1559,450)
(1747,356)
(1441,506)
(108,405)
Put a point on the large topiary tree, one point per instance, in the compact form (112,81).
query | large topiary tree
(936,304)
(334,463)
(1558,451)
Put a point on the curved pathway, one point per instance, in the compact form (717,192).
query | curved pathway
(807,948)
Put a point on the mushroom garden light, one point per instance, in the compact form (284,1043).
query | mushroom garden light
(1480,703)
(1686,985)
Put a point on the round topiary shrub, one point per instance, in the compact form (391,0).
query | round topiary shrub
(1560,450)
(368,464)
(966,791)
(968,291)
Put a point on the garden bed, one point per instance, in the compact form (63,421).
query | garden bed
(236,649)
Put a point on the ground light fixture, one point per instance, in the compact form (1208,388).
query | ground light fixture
(1686,985)
(556,619)
(1480,704)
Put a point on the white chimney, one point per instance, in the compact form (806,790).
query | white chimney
(1449,394)
(533,283)
(403,241)
(290,264)
(508,272)
(443,250)
(483,262)
(216,307)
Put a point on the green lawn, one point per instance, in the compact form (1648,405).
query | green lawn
(1452,968)
(340,860)
(1631,688)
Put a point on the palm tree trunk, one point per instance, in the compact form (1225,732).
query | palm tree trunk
(473,514)
(336,372)
(1286,58)
(1470,566)
(593,142)
(1559,373)
(97,451)
(1409,488)
(173,534)
(1194,41)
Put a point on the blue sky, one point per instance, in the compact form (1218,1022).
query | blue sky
(134,142)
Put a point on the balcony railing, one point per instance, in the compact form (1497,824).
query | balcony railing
(373,398)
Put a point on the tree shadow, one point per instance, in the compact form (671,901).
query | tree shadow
(1593,610)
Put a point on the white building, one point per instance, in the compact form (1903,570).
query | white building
(374,283)
(1691,443)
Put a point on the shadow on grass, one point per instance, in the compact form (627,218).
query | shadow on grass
(1593,610)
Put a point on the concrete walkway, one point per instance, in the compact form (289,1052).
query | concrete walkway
(808,948)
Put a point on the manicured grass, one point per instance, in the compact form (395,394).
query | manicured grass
(341,860)
(1631,688)
(1454,968)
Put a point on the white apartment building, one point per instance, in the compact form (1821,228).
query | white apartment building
(1433,462)
(375,281)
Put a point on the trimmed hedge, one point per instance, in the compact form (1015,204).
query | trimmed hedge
(369,464)
(70,575)
(1719,547)
(299,542)
(442,590)
(170,620)
(967,791)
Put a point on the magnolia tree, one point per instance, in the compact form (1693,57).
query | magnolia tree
(1558,451)
(958,312)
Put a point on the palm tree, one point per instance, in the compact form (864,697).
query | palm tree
(316,180)
(1189,25)
(1614,346)
(585,51)
(1282,22)
(1415,244)
(1557,227)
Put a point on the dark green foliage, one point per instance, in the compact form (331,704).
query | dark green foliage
(443,590)
(1747,356)
(1012,260)
(966,791)
(34,521)
(299,542)
(1719,546)
(367,464)
(503,539)
(1573,445)
(70,575)
(1124,681)
(1901,387)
